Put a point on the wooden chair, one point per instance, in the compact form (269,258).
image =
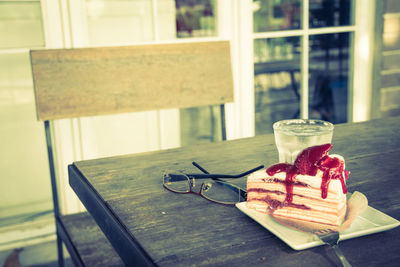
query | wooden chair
(73,83)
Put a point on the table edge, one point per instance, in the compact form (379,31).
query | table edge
(129,249)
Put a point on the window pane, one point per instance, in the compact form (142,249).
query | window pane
(200,125)
(329,76)
(391,32)
(119,22)
(276,70)
(330,13)
(276,15)
(20,24)
(195,18)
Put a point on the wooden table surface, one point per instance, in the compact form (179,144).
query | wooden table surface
(149,225)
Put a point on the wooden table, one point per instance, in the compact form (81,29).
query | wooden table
(148,225)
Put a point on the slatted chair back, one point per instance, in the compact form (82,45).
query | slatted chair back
(82,82)
(72,83)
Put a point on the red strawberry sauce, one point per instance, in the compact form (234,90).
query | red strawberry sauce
(308,162)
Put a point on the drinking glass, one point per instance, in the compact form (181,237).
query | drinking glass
(292,136)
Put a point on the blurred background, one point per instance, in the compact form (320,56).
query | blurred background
(336,60)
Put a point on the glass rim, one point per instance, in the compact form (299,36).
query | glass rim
(328,126)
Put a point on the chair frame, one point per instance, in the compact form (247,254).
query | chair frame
(63,78)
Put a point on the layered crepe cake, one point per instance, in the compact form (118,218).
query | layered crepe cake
(312,190)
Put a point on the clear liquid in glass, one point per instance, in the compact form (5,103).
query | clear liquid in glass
(292,136)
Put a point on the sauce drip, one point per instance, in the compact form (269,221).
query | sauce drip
(308,162)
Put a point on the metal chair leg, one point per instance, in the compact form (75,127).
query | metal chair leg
(56,204)
(60,251)
(223,122)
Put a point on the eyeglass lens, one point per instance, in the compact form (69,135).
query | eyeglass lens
(177,182)
(220,192)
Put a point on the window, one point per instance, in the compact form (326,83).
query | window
(302,60)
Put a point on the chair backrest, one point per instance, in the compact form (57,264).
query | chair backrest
(71,83)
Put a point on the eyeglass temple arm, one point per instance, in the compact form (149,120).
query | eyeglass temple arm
(199,167)
(204,170)
(242,192)
(216,176)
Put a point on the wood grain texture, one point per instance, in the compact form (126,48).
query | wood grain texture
(186,230)
(107,80)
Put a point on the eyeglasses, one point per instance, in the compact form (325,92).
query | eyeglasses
(214,189)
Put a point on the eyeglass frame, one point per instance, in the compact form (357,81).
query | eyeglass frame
(242,192)
(216,178)
(202,187)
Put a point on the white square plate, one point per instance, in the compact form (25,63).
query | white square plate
(369,222)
